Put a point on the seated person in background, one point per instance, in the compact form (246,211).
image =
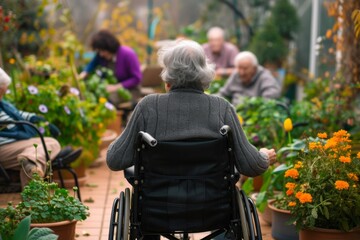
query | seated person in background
(121,59)
(17,149)
(249,80)
(219,52)
(186,112)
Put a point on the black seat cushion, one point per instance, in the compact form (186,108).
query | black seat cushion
(184,186)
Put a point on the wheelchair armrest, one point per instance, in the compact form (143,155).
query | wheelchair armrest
(129,174)
(148,138)
(225,130)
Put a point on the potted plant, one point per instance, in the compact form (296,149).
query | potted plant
(49,206)
(323,189)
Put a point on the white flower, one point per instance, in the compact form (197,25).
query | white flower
(75,91)
(32,89)
(67,110)
(109,106)
(43,108)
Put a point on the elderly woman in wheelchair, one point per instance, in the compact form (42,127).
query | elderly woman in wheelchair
(187,149)
(17,149)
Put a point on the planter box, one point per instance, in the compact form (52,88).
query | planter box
(65,229)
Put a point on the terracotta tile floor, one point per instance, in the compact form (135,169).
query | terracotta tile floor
(102,186)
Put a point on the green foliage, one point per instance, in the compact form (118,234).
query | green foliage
(46,202)
(285,19)
(10,217)
(215,86)
(268,45)
(96,83)
(21,230)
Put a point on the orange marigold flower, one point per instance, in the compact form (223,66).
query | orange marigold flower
(305,198)
(292,204)
(298,165)
(290,185)
(315,145)
(358,155)
(344,159)
(289,192)
(322,135)
(293,173)
(341,134)
(298,195)
(341,185)
(353,176)
(331,143)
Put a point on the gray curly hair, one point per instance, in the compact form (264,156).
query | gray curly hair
(185,65)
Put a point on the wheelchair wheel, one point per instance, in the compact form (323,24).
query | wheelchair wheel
(127,214)
(249,219)
(120,217)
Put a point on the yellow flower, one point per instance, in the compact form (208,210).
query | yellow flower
(241,120)
(100,125)
(315,145)
(353,176)
(344,159)
(293,173)
(298,165)
(39,63)
(341,185)
(292,204)
(288,126)
(322,135)
(12,61)
(290,185)
(102,100)
(305,198)
(358,155)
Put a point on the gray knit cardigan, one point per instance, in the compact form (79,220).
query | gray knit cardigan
(185,114)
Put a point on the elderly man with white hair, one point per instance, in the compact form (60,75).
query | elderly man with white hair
(186,112)
(17,149)
(249,80)
(220,52)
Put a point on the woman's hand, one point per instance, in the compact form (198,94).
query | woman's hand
(113,87)
(270,153)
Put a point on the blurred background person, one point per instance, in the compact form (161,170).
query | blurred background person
(249,80)
(220,52)
(17,148)
(121,59)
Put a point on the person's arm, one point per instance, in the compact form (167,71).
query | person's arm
(270,87)
(248,160)
(133,66)
(121,152)
(91,66)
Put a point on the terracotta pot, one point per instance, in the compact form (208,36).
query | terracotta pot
(328,234)
(280,228)
(65,229)
(116,124)
(68,178)
(108,137)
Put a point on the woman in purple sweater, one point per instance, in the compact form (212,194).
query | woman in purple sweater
(122,59)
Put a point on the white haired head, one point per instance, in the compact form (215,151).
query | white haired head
(216,32)
(5,80)
(246,55)
(185,65)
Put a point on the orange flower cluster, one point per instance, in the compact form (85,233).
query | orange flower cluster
(289,192)
(292,173)
(341,185)
(322,135)
(290,185)
(358,155)
(304,197)
(292,204)
(315,145)
(344,159)
(298,165)
(353,177)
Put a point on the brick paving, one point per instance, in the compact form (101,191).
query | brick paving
(102,186)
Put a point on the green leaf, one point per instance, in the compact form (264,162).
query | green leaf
(248,186)
(281,168)
(23,228)
(314,213)
(41,234)
(326,212)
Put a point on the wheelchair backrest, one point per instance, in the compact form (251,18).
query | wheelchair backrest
(185,185)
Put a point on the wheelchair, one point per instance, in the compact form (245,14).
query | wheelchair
(182,187)
(10,183)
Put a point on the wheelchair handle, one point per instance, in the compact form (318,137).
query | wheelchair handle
(225,130)
(148,138)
